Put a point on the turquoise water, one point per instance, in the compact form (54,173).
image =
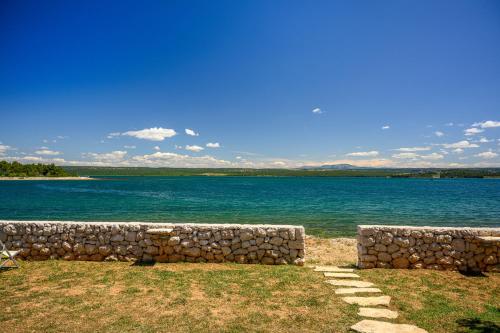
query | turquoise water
(332,206)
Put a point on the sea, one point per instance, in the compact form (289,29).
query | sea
(325,206)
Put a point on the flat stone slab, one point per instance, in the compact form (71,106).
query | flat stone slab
(333,269)
(343,291)
(368,301)
(158,231)
(489,239)
(350,283)
(377,313)
(341,275)
(373,326)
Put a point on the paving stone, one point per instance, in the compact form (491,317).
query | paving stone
(341,275)
(377,313)
(334,269)
(368,301)
(342,291)
(373,326)
(350,283)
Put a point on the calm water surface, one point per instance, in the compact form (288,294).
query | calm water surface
(322,205)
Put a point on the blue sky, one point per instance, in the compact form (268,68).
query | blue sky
(263,83)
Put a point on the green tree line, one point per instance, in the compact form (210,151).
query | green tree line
(16,169)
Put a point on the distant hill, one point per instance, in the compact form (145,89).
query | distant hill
(334,167)
(335,170)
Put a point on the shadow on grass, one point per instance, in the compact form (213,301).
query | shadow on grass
(9,268)
(144,263)
(473,273)
(477,325)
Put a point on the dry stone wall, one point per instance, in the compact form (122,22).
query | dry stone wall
(163,242)
(476,249)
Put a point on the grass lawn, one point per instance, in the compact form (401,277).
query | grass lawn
(58,296)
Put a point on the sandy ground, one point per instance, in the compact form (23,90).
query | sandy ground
(46,178)
(327,251)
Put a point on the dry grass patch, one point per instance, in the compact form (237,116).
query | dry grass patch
(336,251)
(442,301)
(58,296)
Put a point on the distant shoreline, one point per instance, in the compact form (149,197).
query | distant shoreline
(46,178)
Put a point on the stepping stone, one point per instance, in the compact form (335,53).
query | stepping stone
(350,283)
(334,269)
(377,313)
(343,291)
(373,326)
(341,275)
(368,301)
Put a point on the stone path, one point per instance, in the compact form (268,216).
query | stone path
(374,326)
(350,283)
(368,301)
(343,291)
(377,313)
(333,269)
(343,276)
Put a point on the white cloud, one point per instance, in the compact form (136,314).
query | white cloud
(473,131)
(433,156)
(484,140)
(178,160)
(191,132)
(4,148)
(194,148)
(405,155)
(449,124)
(374,162)
(156,148)
(129,147)
(32,159)
(487,154)
(317,111)
(153,134)
(439,133)
(411,149)
(47,152)
(112,135)
(112,157)
(460,144)
(458,151)
(372,153)
(213,145)
(61,137)
(239,157)
(279,163)
(45,141)
(487,124)
(385,127)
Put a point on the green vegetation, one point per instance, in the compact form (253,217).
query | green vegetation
(400,173)
(61,296)
(441,301)
(130,171)
(16,169)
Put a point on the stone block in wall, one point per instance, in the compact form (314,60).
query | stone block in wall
(106,241)
(428,247)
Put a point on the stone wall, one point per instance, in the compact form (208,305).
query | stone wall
(428,247)
(163,242)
